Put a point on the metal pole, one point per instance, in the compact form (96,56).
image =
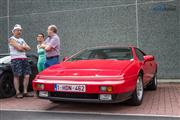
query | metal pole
(8,18)
(137,25)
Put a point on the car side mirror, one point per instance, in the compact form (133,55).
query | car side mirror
(148,58)
(65,58)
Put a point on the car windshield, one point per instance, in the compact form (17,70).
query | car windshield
(104,53)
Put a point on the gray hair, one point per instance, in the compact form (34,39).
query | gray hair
(53,28)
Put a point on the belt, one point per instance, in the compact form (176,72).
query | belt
(52,57)
(20,59)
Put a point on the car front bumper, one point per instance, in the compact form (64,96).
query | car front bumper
(122,90)
(79,97)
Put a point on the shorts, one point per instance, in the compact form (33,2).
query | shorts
(20,67)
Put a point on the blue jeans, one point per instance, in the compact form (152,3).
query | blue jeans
(51,61)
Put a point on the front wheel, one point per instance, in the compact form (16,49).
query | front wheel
(138,94)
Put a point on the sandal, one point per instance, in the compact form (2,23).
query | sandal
(19,96)
(27,95)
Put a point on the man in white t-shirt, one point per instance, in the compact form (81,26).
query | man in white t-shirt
(19,62)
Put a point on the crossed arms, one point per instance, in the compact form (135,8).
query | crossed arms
(21,48)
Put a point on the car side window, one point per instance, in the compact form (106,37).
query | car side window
(139,54)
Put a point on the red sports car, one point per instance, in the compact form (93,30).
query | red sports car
(107,74)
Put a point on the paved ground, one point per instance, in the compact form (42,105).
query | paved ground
(164,101)
(29,115)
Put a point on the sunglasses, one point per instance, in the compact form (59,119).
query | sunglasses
(18,30)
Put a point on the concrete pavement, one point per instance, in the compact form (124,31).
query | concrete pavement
(163,102)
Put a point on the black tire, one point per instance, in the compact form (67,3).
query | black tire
(138,94)
(6,85)
(153,83)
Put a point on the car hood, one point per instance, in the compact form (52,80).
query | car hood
(5,60)
(87,68)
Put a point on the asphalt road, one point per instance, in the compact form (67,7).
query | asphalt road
(37,115)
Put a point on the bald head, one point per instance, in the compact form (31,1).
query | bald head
(52,29)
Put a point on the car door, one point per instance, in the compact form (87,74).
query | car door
(145,65)
(153,68)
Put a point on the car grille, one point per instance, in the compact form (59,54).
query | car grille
(74,95)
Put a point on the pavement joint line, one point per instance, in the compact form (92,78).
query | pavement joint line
(92,113)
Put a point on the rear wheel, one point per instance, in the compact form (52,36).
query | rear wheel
(6,85)
(138,94)
(153,83)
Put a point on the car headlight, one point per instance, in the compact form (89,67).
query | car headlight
(40,86)
(106,88)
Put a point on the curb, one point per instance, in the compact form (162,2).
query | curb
(93,113)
